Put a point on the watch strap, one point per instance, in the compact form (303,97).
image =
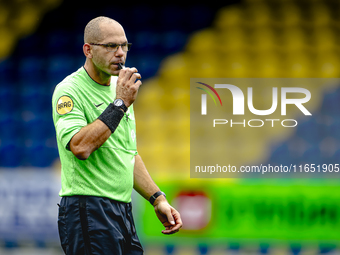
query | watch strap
(154,196)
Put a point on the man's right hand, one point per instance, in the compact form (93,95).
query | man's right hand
(127,86)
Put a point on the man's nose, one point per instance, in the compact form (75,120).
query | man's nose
(120,51)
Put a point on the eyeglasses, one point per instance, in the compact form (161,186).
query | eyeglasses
(112,47)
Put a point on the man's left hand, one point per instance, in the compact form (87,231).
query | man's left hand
(169,216)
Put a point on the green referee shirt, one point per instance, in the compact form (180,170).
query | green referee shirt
(108,172)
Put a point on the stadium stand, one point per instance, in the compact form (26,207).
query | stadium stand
(40,60)
(171,44)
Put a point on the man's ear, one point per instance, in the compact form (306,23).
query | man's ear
(87,50)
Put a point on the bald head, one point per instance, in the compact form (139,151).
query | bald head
(94,29)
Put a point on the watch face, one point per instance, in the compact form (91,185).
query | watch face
(118,102)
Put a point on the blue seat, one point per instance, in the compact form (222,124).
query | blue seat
(40,155)
(7,70)
(11,154)
(334,129)
(58,68)
(144,15)
(198,17)
(147,64)
(31,67)
(280,155)
(38,128)
(8,98)
(31,45)
(312,156)
(173,41)
(171,17)
(309,130)
(59,42)
(147,41)
(35,100)
(334,159)
(10,128)
(331,104)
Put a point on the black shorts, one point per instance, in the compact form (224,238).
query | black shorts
(97,226)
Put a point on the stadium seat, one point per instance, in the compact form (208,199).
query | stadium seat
(290,15)
(172,41)
(331,104)
(258,15)
(143,14)
(37,154)
(197,17)
(229,17)
(7,70)
(10,129)
(31,68)
(59,42)
(171,16)
(334,128)
(38,128)
(34,98)
(147,64)
(8,99)
(312,156)
(146,41)
(11,154)
(321,15)
(280,155)
(30,46)
(7,43)
(58,67)
(309,131)
(335,158)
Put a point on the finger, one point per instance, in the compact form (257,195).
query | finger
(170,218)
(133,69)
(176,227)
(138,84)
(130,72)
(123,76)
(126,73)
(171,230)
(177,218)
(135,77)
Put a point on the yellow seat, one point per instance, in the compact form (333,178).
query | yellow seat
(320,15)
(227,17)
(7,42)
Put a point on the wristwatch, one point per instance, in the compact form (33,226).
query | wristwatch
(154,196)
(120,103)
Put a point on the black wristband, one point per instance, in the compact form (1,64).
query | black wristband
(111,116)
(154,196)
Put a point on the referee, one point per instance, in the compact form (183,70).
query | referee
(96,135)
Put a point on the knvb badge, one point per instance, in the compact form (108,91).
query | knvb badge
(238,107)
